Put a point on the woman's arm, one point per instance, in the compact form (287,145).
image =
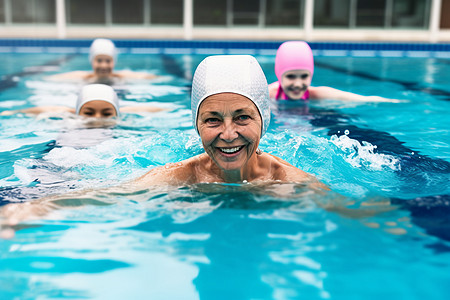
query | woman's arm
(127,74)
(74,75)
(39,110)
(140,109)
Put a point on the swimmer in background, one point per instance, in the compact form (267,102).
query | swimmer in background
(103,57)
(294,68)
(230,111)
(94,101)
(98,106)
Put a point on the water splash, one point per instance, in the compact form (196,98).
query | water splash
(363,154)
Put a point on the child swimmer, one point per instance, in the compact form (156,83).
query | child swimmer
(103,57)
(294,68)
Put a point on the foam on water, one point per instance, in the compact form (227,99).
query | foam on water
(363,155)
(344,164)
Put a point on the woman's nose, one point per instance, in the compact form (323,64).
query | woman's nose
(229,132)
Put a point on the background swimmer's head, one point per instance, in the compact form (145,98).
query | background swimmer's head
(293,57)
(97,100)
(102,55)
(239,74)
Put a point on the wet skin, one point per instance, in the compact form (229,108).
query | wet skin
(230,128)
(295,83)
(98,109)
(103,66)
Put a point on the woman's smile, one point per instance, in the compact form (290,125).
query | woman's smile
(230,152)
(230,127)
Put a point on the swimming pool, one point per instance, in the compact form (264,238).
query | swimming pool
(222,241)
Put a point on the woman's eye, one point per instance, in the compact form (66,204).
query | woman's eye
(305,76)
(212,121)
(291,77)
(243,118)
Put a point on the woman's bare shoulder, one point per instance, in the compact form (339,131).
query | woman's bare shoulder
(284,171)
(282,168)
(179,173)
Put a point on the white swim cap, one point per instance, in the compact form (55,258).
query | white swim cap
(92,92)
(239,74)
(102,47)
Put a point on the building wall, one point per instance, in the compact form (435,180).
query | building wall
(223,19)
(445,14)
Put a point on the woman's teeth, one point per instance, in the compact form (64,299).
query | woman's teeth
(230,150)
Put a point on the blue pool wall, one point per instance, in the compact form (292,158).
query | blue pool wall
(372,49)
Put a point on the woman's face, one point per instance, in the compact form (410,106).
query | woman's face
(295,83)
(98,109)
(103,65)
(230,128)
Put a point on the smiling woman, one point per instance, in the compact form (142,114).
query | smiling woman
(230,127)
(230,111)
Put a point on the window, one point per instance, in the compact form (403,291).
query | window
(127,12)
(33,11)
(166,12)
(410,13)
(2,11)
(370,13)
(245,12)
(332,13)
(86,11)
(284,12)
(210,12)
(445,14)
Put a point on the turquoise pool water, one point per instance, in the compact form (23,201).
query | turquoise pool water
(387,164)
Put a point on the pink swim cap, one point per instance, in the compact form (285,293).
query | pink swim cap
(293,55)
